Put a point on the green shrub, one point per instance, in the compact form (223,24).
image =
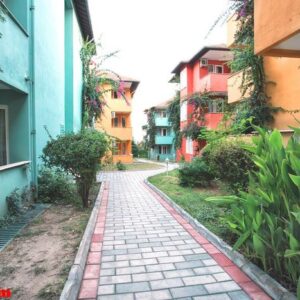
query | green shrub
(229,162)
(267,218)
(54,186)
(78,154)
(135,149)
(120,166)
(195,173)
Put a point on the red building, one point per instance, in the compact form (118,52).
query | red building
(207,71)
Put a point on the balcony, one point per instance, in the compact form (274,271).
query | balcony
(164,140)
(277,28)
(214,82)
(14,58)
(123,134)
(119,105)
(234,88)
(162,122)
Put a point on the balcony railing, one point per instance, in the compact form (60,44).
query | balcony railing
(164,140)
(214,82)
(162,122)
(119,105)
(123,134)
(14,58)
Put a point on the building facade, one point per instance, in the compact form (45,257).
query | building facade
(116,119)
(40,83)
(164,135)
(276,35)
(206,72)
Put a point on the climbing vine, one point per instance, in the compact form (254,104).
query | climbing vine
(150,129)
(96,83)
(174,119)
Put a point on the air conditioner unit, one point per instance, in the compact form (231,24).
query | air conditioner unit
(113,114)
(203,62)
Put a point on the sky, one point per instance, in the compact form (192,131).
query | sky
(151,38)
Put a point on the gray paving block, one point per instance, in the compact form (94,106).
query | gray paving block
(179,273)
(221,287)
(132,287)
(160,267)
(128,296)
(130,270)
(154,295)
(238,295)
(106,289)
(188,291)
(166,283)
(147,276)
(114,279)
(189,264)
(201,279)
(213,297)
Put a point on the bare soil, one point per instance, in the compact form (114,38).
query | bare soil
(36,264)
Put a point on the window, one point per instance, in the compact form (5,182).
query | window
(183,78)
(183,111)
(123,122)
(114,95)
(163,114)
(115,122)
(3,136)
(165,149)
(189,146)
(219,69)
(210,68)
(163,132)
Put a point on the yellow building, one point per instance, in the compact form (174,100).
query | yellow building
(116,119)
(276,36)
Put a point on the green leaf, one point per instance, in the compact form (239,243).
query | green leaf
(258,245)
(291,253)
(223,199)
(298,289)
(295,179)
(241,240)
(276,139)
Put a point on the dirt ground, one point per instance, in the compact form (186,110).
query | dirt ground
(36,264)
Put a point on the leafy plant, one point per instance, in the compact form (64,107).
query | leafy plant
(195,173)
(174,118)
(79,155)
(229,162)
(55,186)
(120,166)
(150,128)
(267,218)
(135,149)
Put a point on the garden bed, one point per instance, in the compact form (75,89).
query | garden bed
(135,166)
(36,264)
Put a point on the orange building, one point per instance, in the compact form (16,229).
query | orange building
(276,35)
(116,119)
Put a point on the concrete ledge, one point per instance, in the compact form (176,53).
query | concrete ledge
(72,285)
(267,283)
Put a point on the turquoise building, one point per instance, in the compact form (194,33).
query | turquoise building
(164,135)
(40,82)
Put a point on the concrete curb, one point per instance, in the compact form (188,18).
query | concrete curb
(72,285)
(267,283)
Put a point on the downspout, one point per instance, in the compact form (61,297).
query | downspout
(32,95)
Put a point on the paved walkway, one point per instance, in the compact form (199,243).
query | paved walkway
(143,249)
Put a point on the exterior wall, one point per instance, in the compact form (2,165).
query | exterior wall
(275,22)
(49,70)
(283,75)
(11,179)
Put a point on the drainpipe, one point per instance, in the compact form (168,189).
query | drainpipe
(32,94)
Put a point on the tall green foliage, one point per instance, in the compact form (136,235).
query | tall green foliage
(174,119)
(267,218)
(94,83)
(150,128)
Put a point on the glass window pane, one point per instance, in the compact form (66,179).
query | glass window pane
(3,145)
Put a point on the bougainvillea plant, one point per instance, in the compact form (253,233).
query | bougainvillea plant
(97,83)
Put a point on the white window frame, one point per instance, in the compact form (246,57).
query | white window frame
(183,111)
(189,146)
(5,108)
(215,69)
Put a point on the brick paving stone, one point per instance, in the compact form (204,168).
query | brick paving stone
(143,248)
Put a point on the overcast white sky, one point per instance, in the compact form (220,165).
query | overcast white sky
(152,37)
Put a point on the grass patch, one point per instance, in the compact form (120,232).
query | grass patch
(192,201)
(135,166)
(39,270)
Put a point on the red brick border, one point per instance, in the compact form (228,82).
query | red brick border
(90,281)
(250,287)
